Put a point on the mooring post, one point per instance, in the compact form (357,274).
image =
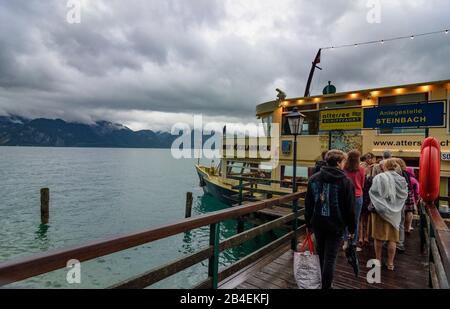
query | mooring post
(45,202)
(189,201)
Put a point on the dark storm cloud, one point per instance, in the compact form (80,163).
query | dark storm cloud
(219,58)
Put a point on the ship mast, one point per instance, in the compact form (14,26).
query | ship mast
(311,73)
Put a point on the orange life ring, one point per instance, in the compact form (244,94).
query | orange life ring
(430,170)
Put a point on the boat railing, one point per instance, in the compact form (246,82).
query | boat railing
(435,243)
(266,180)
(21,269)
(250,184)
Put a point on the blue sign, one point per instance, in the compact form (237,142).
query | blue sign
(405,116)
(286,147)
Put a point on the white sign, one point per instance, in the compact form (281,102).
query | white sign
(445,156)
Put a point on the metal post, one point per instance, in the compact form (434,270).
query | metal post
(240,221)
(295,202)
(330,135)
(240,191)
(294,180)
(213,266)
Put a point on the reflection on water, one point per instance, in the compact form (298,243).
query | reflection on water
(41,233)
(98,193)
(42,237)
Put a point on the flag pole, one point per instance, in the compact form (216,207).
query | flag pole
(311,73)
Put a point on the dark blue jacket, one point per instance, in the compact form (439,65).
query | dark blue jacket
(330,202)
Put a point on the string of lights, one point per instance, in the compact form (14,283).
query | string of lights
(410,37)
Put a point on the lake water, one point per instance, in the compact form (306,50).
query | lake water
(96,193)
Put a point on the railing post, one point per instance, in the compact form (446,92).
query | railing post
(240,225)
(213,266)
(189,200)
(422,221)
(294,242)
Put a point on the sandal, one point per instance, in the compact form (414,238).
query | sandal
(390,267)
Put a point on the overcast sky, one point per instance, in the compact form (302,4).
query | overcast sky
(151,63)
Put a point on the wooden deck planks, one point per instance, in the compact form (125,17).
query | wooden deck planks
(275,272)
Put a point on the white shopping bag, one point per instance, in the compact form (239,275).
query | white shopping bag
(307,271)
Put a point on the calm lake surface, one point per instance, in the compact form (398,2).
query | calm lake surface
(96,193)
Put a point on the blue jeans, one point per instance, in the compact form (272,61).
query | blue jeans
(358,207)
(327,248)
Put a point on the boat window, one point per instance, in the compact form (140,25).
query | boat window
(265,171)
(267,124)
(301,107)
(287,173)
(340,104)
(310,126)
(399,100)
(247,169)
(235,168)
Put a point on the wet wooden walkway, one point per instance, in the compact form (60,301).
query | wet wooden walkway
(274,271)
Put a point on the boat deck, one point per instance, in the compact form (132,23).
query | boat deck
(274,271)
(276,211)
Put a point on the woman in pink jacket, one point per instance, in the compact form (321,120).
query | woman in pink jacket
(356,174)
(416,197)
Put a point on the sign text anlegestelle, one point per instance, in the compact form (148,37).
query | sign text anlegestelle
(414,115)
(405,116)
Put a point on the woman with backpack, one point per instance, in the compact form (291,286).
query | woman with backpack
(409,207)
(329,211)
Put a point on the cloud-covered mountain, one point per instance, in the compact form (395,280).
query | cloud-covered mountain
(147,63)
(19,131)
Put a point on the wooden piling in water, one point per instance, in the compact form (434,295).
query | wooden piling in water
(45,205)
(189,201)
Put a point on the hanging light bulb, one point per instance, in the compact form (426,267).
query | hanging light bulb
(446,31)
(382,42)
(356,45)
(412,37)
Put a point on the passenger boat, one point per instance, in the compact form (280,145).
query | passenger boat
(395,118)
(254,178)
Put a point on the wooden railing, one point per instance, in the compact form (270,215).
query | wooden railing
(18,270)
(435,236)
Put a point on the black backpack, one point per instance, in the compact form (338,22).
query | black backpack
(366,196)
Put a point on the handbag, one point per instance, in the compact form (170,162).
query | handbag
(307,271)
(371,208)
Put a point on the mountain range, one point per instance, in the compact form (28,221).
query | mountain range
(19,131)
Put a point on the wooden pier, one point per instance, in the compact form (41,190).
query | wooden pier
(275,271)
(426,264)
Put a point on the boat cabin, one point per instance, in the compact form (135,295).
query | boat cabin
(395,118)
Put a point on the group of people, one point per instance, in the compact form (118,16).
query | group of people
(352,198)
